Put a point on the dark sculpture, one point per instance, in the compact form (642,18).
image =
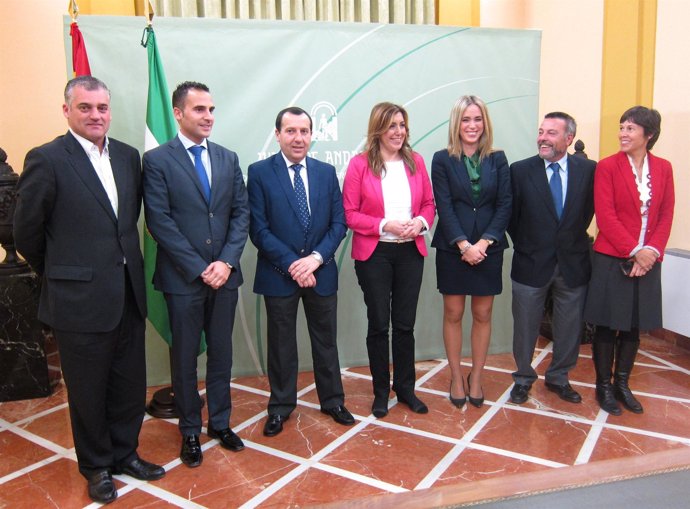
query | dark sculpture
(8,183)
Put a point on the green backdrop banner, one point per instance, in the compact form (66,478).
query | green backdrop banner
(336,71)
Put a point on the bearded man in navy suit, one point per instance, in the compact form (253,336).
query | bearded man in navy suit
(78,201)
(297,223)
(196,209)
(553,204)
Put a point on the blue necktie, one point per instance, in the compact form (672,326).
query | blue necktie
(556,188)
(301,195)
(201,171)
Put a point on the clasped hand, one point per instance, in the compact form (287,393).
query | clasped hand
(404,229)
(216,274)
(302,271)
(644,260)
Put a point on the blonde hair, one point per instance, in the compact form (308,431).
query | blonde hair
(485,144)
(379,121)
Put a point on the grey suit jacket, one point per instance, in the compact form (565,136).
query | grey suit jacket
(65,227)
(190,232)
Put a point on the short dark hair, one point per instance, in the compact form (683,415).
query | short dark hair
(180,93)
(648,119)
(570,124)
(293,110)
(86,82)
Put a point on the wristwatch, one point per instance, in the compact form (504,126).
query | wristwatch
(228,266)
(490,241)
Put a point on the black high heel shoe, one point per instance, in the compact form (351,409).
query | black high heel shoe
(475,402)
(458,402)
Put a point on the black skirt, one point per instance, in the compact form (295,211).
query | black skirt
(614,301)
(455,277)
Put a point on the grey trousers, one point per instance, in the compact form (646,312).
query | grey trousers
(528,310)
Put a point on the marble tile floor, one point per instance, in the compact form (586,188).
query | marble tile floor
(449,456)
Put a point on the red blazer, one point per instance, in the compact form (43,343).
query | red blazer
(617,205)
(364,209)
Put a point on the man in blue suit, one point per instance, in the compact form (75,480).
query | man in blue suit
(196,209)
(297,223)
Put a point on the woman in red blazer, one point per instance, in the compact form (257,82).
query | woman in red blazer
(633,202)
(389,205)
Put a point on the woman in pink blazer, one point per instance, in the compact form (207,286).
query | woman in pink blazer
(633,202)
(389,205)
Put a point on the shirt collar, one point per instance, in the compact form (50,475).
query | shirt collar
(289,163)
(89,146)
(186,142)
(562,162)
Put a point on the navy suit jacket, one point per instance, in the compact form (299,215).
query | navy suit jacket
(540,240)
(460,216)
(190,232)
(277,233)
(65,227)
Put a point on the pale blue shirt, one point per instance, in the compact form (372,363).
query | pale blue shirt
(563,163)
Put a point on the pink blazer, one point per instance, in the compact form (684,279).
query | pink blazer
(364,209)
(617,205)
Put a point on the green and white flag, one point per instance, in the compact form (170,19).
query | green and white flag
(160,127)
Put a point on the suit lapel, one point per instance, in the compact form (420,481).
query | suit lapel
(626,175)
(463,178)
(82,166)
(486,178)
(314,184)
(218,173)
(575,176)
(537,174)
(179,154)
(281,174)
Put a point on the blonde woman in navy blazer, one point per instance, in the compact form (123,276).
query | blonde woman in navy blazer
(471,184)
(389,205)
(633,202)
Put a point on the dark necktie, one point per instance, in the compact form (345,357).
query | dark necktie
(201,171)
(556,188)
(301,195)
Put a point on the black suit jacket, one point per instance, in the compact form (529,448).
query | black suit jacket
(460,216)
(540,240)
(190,232)
(65,227)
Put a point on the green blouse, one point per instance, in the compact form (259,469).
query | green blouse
(473,170)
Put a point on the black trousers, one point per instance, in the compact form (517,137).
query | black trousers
(213,312)
(390,280)
(105,375)
(283,364)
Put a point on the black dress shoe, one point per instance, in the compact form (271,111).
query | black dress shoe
(141,469)
(475,402)
(458,402)
(191,454)
(340,415)
(380,406)
(415,404)
(101,487)
(274,424)
(519,393)
(228,438)
(565,392)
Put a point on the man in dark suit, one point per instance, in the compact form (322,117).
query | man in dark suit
(552,208)
(297,223)
(196,209)
(78,200)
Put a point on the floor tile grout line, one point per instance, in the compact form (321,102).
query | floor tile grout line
(592,439)
(360,478)
(516,455)
(43,413)
(298,470)
(664,362)
(30,468)
(478,426)
(169,496)
(40,441)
